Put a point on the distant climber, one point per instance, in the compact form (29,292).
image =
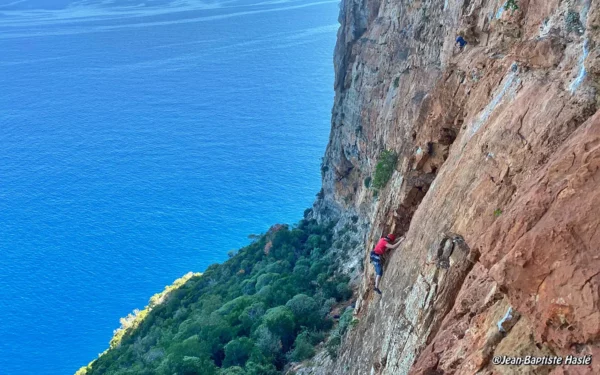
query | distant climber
(461,42)
(382,245)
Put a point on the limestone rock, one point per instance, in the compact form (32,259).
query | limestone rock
(500,207)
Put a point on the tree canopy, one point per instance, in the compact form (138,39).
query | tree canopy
(265,306)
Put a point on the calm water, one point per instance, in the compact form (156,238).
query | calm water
(140,140)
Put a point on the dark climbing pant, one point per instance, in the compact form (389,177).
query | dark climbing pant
(376,260)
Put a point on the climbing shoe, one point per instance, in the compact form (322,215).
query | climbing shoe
(377,290)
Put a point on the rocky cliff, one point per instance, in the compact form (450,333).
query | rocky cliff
(496,188)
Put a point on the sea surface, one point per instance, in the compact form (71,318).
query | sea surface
(140,140)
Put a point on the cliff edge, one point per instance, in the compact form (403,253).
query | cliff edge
(496,186)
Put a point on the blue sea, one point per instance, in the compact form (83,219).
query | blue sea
(140,140)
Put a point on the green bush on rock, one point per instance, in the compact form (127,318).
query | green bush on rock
(384,169)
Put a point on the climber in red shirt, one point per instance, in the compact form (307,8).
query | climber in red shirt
(383,244)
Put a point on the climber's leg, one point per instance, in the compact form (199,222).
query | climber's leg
(378,273)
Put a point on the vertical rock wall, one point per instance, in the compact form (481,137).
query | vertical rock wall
(497,185)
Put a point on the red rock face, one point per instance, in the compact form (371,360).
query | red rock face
(552,271)
(497,186)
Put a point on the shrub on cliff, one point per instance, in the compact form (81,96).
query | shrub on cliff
(335,339)
(384,169)
(280,321)
(303,348)
(573,22)
(238,351)
(305,310)
(333,344)
(511,5)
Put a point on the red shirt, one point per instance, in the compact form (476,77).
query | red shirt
(381,246)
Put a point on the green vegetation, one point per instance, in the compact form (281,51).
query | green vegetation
(573,22)
(511,5)
(133,320)
(384,169)
(335,339)
(324,167)
(267,305)
(497,212)
(320,194)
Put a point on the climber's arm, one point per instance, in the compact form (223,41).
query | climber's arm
(394,246)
